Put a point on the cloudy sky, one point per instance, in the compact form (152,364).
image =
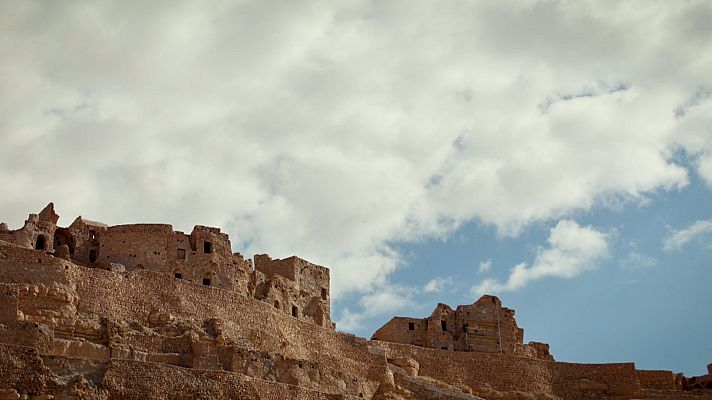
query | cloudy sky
(557,154)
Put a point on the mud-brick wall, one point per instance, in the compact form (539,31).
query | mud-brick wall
(133,380)
(139,294)
(140,245)
(505,372)
(502,372)
(8,237)
(22,369)
(8,313)
(621,378)
(22,265)
(398,330)
(656,380)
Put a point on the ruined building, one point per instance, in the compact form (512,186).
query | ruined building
(484,326)
(92,311)
(294,286)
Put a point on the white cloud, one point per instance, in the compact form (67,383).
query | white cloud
(333,129)
(384,301)
(677,239)
(485,266)
(437,285)
(572,250)
(635,259)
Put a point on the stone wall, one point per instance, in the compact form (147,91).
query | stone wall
(484,326)
(294,286)
(204,257)
(126,326)
(657,380)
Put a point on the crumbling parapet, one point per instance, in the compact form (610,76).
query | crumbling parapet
(293,285)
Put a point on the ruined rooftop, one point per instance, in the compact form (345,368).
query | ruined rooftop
(92,311)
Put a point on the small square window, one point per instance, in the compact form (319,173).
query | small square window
(411,326)
(177,275)
(207,247)
(180,254)
(323,294)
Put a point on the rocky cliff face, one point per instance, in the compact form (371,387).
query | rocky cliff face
(74,330)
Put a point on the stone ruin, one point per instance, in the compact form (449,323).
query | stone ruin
(92,311)
(484,326)
(292,285)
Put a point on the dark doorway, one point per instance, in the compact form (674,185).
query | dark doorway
(92,255)
(295,311)
(40,243)
(207,247)
(62,237)
(443,325)
(177,275)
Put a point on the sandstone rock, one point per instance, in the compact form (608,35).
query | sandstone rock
(193,317)
(9,394)
(409,365)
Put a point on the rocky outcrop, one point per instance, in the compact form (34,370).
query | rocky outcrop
(75,329)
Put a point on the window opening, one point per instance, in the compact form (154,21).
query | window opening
(323,294)
(92,255)
(443,325)
(411,326)
(207,247)
(295,311)
(178,275)
(180,254)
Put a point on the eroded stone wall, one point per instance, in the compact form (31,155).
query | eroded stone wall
(484,326)
(125,326)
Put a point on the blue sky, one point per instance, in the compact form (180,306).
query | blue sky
(564,146)
(640,303)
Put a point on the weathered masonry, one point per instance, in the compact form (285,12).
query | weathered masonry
(294,286)
(484,326)
(102,312)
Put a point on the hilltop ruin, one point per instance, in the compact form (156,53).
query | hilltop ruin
(93,311)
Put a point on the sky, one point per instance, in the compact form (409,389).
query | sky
(556,154)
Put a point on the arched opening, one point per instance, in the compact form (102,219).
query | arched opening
(207,278)
(177,274)
(62,237)
(295,311)
(40,243)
